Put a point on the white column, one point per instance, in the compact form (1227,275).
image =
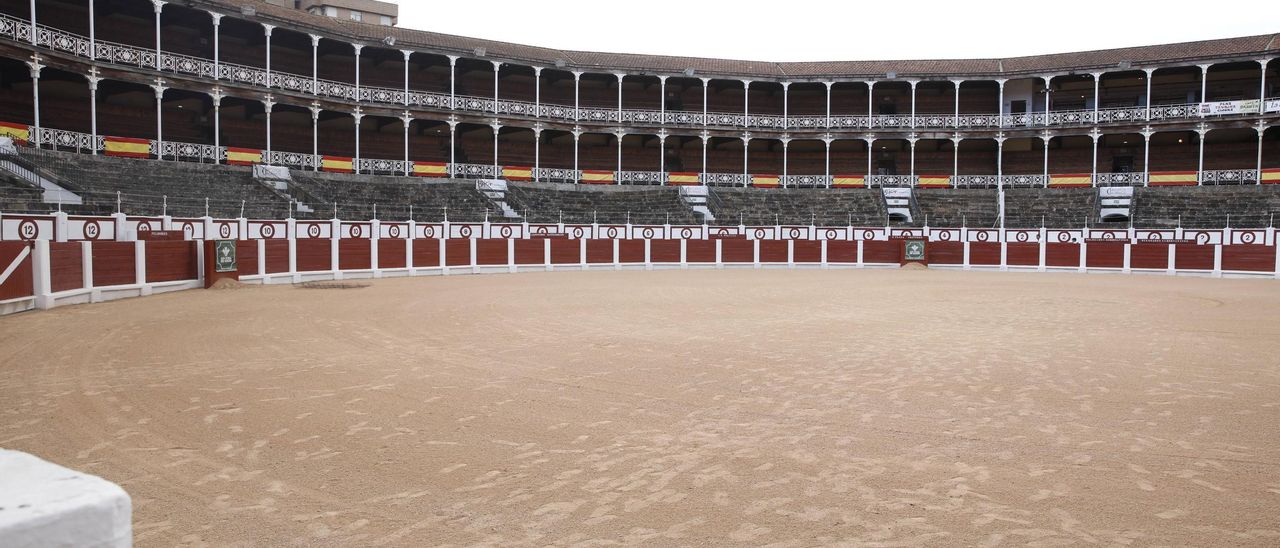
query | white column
(955,154)
(912,140)
(93,109)
(746,103)
(92,39)
(357,48)
(662,150)
(871,141)
(577,134)
(1097,94)
(357,115)
(1046,138)
(705,136)
(497,66)
(453,141)
(786,140)
(497,128)
(871,101)
(315,135)
(619,134)
(1000,162)
(537,92)
(1096,135)
(577,96)
(913,101)
(746,173)
(35,68)
(33,22)
(705,83)
(620,77)
(829,84)
(407,53)
(216,97)
(662,99)
(1150,76)
(1048,96)
(157,5)
(1146,155)
(826,165)
(268,103)
(406,118)
(1262,93)
(217,44)
(1000,102)
(1204,82)
(1262,129)
(537,149)
(159,88)
(785,101)
(453,80)
(1203,132)
(315,61)
(266,31)
(957,118)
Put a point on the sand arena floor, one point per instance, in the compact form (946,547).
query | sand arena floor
(788,408)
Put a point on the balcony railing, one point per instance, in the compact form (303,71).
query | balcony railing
(975,181)
(1029,181)
(1229,177)
(1120,179)
(640,177)
(20,31)
(892,180)
(806,181)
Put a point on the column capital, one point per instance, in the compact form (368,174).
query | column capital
(266,29)
(315,110)
(871,84)
(1001,81)
(663,78)
(35,66)
(496,65)
(315,40)
(1204,68)
(620,75)
(577,75)
(956,138)
(1147,132)
(663,134)
(159,87)
(746,136)
(453,60)
(1096,134)
(869,138)
(538,127)
(1000,138)
(785,85)
(913,82)
(537,71)
(93,78)
(357,113)
(957,82)
(577,132)
(1097,76)
(406,53)
(357,47)
(1150,70)
(785,138)
(158,5)
(619,132)
(406,117)
(705,135)
(705,81)
(746,84)
(495,124)
(830,83)
(1202,129)
(1046,136)
(217,18)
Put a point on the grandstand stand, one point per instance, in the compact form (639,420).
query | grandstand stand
(1247,206)
(555,202)
(357,196)
(823,207)
(1051,207)
(945,207)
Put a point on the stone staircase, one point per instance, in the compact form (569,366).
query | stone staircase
(496,191)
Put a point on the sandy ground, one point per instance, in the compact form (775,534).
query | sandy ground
(789,408)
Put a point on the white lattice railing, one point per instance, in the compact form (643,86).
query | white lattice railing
(723,179)
(806,181)
(475,171)
(1024,180)
(295,160)
(557,175)
(975,181)
(1228,176)
(891,121)
(188,151)
(1120,179)
(892,180)
(61,138)
(379,165)
(640,177)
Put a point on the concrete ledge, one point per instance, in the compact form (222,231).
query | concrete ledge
(45,505)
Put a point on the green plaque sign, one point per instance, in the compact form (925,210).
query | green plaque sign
(224,256)
(914,250)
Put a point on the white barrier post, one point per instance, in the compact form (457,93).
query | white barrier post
(60,226)
(1004,251)
(1128,255)
(1171,267)
(140,267)
(86,264)
(755,250)
(617,261)
(1044,245)
(335,235)
(262,259)
(684,262)
(582,251)
(291,230)
(791,253)
(511,254)
(41,275)
(375,234)
(546,254)
(1217,260)
(719,252)
(860,263)
(648,258)
(1084,255)
(823,244)
(475,263)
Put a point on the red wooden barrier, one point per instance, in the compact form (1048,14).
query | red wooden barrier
(1151,256)
(391,253)
(840,251)
(806,251)
(66,266)
(19,283)
(664,251)
(1249,258)
(1193,257)
(171,261)
(313,254)
(773,251)
(457,252)
(1105,255)
(631,251)
(113,264)
(1062,254)
(491,252)
(530,251)
(948,253)
(1022,254)
(984,253)
(599,251)
(355,254)
(700,251)
(737,251)
(565,251)
(426,253)
(246,258)
(882,251)
(277,256)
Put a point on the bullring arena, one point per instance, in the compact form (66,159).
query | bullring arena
(272,277)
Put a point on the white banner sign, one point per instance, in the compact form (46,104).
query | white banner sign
(1273,105)
(1219,108)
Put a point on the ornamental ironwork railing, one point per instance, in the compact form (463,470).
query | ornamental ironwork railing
(557,175)
(296,160)
(188,151)
(892,180)
(641,177)
(1228,177)
(975,181)
(1017,181)
(382,166)
(475,171)
(1120,179)
(806,181)
(63,139)
(723,179)
(57,40)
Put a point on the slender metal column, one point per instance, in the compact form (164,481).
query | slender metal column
(407,53)
(1046,137)
(786,140)
(746,173)
(453,82)
(662,99)
(620,77)
(93,110)
(871,141)
(1262,129)
(315,61)
(1204,82)
(1203,132)
(497,66)
(619,134)
(829,84)
(266,31)
(955,154)
(406,118)
(957,83)
(662,151)
(33,23)
(216,97)
(537,149)
(35,67)
(705,136)
(357,48)
(497,128)
(1000,102)
(537,92)
(93,36)
(357,115)
(912,139)
(1150,76)
(577,134)
(705,83)
(871,94)
(913,101)
(1096,134)
(159,88)
(1097,94)
(315,135)
(577,96)
(785,101)
(1000,161)
(268,103)
(1146,155)
(746,103)
(158,5)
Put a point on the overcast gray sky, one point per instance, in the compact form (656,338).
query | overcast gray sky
(811,30)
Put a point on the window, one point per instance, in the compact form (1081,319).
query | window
(385,20)
(331,11)
(355,15)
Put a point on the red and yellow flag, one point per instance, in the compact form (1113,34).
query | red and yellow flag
(20,133)
(1271,176)
(127,147)
(849,181)
(1070,179)
(517,173)
(765,181)
(1172,178)
(430,169)
(243,156)
(597,177)
(682,178)
(337,164)
(934,181)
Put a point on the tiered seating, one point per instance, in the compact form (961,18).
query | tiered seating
(945,207)
(1248,206)
(1052,207)
(829,207)
(550,202)
(144,186)
(356,196)
(17,195)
